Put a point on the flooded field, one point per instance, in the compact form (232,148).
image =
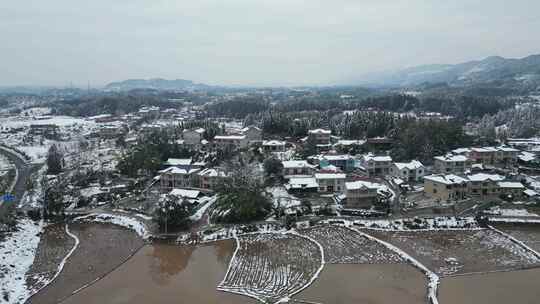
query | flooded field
(166,274)
(494,288)
(367,283)
(102,247)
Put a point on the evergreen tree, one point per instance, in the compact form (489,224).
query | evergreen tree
(54,160)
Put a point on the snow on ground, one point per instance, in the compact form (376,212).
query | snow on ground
(124,221)
(282,198)
(416,224)
(433,278)
(199,214)
(509,212)
(61,121)
(17,254)
(271,267)
(4,163)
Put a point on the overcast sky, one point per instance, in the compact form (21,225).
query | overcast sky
(252,42)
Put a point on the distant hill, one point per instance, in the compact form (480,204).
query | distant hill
(154,83)
(493,71)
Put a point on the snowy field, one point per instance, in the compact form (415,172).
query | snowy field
(17,252)
(343,245)
(271,267)
(461,252)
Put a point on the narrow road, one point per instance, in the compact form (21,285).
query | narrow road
(23,171)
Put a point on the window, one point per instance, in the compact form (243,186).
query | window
(434,190)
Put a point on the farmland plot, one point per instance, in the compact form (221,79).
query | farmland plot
(345,246)
(460,252)
(270,266)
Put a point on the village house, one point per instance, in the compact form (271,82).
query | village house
(210,178)
(411,171)
(270,146)
(302,184)
(231,141)
(451,163)
(376,165)
(296,168)
(319,136)
(174,177)
(484,185)
(515,189)
(360,194)
(445,187)
(193,137)
(494,156)
(252,133)
(331,182)
(344,162)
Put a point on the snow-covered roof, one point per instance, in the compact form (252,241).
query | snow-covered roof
(185,193)
(452,158)
(330,175)
(213,172)
(178,162)
(230,137)
(199,130)
(371,157)
(461,150)
(412,165)
(249,128)
(319,131)
(296,164)
(302,182)
(527,156)
(344,142)
(511,185)
(273,143)
(357,185)
(530,192)
(337,157)
(481,177)
(176,170)
(91,191)
(449,179)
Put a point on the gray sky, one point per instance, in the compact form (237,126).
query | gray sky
(252,42)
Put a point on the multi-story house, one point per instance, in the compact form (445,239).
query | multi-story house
(210,178)
(451,163)
(269,146)
(174,177)
(376,165)
(231,141)
(446,187)
(319,136)
(361,194)
(344,162)
(484,185)
(515,189)
(331,182)
(411,171)
(297,168)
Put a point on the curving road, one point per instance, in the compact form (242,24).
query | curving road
(23,173)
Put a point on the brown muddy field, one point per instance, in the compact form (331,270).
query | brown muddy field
(459,252)
(166,274)
(367,283)
(345,246)
(515,287)
(102,247)
(53,246)
(528,234)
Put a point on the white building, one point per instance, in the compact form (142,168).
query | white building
(297,168)
(411,171)
(331,182)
